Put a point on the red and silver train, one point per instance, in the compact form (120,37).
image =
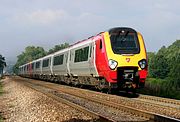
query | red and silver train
(112,59)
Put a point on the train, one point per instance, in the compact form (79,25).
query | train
(115,59)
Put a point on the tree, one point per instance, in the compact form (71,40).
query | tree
(174,63)
(166,63)
(159,66)
(151,56)
(58,47)
(31,53)
(164,70)
(2,64)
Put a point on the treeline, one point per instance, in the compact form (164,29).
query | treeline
(164,72)
(2,64)
(32,53)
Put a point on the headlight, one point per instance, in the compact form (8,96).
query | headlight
(112,64)
(143,63)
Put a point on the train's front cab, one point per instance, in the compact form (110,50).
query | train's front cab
(126,55)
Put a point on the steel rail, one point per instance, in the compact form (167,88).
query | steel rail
(97,117)
(160,99)
(128,109)
(151,116)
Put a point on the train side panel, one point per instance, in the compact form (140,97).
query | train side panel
(60,62)
(38,68)
(46,65)
(101,56)
(81,60)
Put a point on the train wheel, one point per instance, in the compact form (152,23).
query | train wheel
(114,91)
(102,84)
(75,83)
(134,90)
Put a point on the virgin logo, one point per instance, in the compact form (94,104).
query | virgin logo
(128,59)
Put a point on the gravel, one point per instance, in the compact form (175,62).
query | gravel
(147,106)
(22,104)
(109,112)
(112,113)
(143,105)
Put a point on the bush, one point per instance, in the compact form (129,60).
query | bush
(164,72)
(161,88)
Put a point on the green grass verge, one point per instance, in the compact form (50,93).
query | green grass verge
(1,119)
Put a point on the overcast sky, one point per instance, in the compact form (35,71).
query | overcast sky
(49,22)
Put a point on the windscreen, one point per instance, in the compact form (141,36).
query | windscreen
(124,41)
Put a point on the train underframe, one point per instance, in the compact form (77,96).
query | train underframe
(127,80)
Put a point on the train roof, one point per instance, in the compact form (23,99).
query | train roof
(122,28)
(79,43)
(61,51)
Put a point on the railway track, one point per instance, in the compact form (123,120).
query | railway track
(171,102)
(55,89)
(65,98)
(96,117)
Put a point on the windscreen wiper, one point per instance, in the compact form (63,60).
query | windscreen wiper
(124,37)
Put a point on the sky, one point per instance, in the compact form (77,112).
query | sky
(47,23)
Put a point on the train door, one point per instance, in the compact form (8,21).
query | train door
(67,59)
(41,61)
(51,64)
(92,66)
(79,61)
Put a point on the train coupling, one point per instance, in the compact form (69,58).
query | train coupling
(130,85)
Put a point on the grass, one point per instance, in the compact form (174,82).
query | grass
(1,119)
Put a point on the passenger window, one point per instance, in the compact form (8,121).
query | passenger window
(100,45)
(81,54)
(46,63)
(37,64)
(58,60)
(33,66)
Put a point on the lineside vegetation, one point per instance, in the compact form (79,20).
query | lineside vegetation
(164,72)
(1,119)
(32,53)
